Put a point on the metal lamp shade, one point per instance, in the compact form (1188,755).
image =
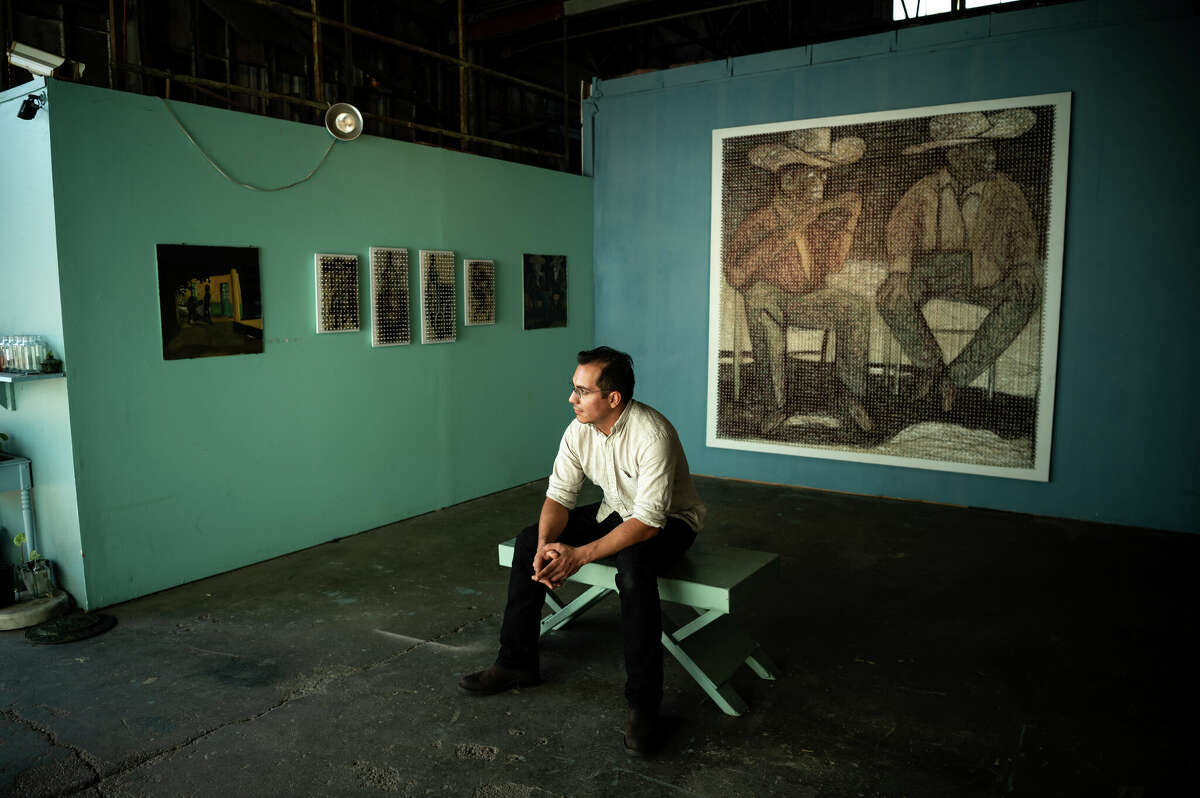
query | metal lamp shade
(343,121)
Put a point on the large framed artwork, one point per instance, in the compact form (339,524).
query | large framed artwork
(885,287)
(210,300)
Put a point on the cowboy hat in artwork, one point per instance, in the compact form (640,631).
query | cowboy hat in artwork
(812,146)
(953,130)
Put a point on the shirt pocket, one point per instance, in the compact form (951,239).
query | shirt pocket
(627,483)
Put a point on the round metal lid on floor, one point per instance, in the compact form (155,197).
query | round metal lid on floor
(69,628)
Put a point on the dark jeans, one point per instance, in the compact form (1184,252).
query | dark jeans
(638,567)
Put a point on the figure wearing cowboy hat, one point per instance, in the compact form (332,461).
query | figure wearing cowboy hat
(963,233)
(781,256)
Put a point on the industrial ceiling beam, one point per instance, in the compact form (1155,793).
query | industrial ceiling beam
(204,83)
(416,48)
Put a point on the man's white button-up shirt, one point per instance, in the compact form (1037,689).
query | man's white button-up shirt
(640,467)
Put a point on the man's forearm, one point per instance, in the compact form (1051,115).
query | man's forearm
(627,534)
(551,522)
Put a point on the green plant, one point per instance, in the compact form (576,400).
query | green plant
(19,542)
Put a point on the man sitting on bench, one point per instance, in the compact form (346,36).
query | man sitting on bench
(649,517)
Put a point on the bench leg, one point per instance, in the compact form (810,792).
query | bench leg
(561,615)
(724,696)
(761,664)
(711,646)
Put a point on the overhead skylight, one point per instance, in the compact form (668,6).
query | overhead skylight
(910,9)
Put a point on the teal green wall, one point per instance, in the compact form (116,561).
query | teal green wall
(191,467)
(1125,438)
(30,304)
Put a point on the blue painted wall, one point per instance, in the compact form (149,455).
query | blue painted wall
(187,468)
(1125,433)
(30,303)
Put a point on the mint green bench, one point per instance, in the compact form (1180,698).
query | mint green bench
(713,581)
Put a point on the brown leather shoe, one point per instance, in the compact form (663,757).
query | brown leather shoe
(641,732)
(497,679)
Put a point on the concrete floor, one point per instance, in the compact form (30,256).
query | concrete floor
(926,650)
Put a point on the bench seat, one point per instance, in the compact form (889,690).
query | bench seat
(711,582)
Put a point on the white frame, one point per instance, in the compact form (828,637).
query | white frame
(320,292)
(374,251)
(1051,301)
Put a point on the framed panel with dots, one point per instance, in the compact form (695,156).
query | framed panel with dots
(479,292)
(337,293)
(884,287)
(389,297)
(438,314)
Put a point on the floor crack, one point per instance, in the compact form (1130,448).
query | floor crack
(313,686)
(90,762)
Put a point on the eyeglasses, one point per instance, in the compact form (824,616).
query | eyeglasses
(582,392)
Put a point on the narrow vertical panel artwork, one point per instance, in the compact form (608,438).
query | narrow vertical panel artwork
(545,291)
(479,293)
(389,297)
(438,316)
(210,300)
(884,287)
(337,293)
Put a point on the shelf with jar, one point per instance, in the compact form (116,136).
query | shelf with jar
(24,358)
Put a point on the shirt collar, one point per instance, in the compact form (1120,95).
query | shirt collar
(618,425)
(946,180)
(620,422)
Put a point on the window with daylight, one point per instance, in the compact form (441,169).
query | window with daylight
(911,9)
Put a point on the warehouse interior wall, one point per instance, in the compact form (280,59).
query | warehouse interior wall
(1124,436)
(190,467)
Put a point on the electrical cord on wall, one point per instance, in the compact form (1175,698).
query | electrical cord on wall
(231,179)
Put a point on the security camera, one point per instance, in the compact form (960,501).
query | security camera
(38,62)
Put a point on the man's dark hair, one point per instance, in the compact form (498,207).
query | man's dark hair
(617,374)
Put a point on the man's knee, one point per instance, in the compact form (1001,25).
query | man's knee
(1023,286)
(635,571)
(889,299)
(763,299)
(527,541)
(856,308)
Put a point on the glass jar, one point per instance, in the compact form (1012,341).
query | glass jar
(23,352)
(27,352)
(39,352)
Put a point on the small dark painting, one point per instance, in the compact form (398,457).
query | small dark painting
(545,291)
(211,301)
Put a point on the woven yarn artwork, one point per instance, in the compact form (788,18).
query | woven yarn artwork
(884,287)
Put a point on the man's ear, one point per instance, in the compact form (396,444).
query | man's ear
(614,398)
